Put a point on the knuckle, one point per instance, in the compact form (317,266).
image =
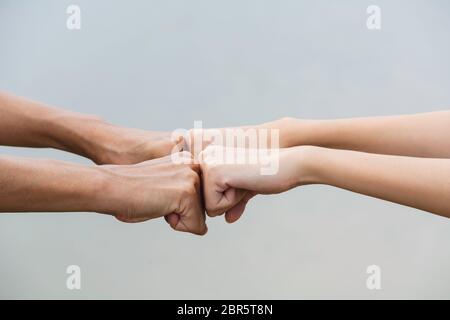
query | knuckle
(189,176)
(203,231)
(216,177)
(194,179)
(213,211)
(189,190)
(200,228)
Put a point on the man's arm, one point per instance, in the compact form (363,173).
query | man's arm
(37,185)
(421,183)
(131,193)
(26,123)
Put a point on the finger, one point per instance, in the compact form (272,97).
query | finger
(195,167)
(192,221)
(192,218)
(188,158)
(218,202)
(196,141)
(233,214)
(172,219)
(180,143)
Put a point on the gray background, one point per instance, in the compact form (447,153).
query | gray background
(162,65)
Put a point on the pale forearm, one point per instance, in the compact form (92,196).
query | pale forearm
(37,185)
(417,182)
(419,135)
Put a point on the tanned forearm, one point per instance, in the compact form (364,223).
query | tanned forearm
(25,123)
(38,185)
(131,193)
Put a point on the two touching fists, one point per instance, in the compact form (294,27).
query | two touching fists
(177,188)
(181,186)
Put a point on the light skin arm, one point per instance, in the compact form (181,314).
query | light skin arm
(416,182)
(131,193)
(418,135)
(420,183)
(26,123)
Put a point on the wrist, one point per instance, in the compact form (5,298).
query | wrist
(71,131)
(292,132)
(85,135)
(308,163)
(108,196)
(306,132)
(98,190)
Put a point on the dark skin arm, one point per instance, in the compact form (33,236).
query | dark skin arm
(26,123)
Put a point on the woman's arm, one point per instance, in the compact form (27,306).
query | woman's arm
(421,183)
(26,123)
(416,182)
(417,135)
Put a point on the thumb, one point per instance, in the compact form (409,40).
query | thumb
(219,199)
(233,214)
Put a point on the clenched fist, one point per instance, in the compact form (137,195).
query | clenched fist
(231,177)
(157,188)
